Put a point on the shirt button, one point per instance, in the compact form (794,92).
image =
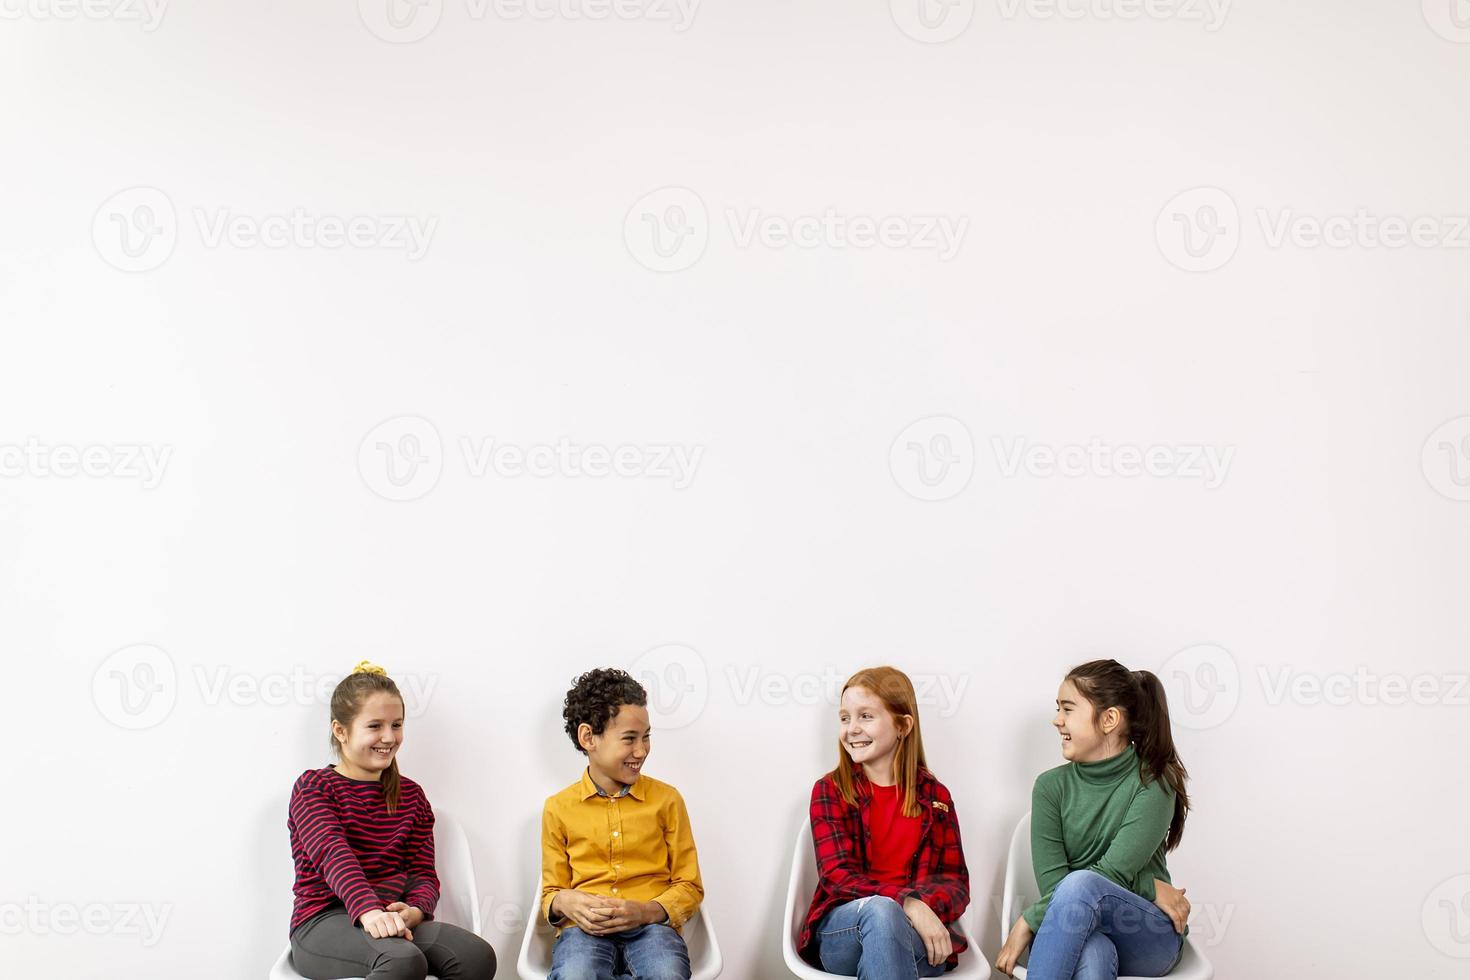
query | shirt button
(617,833)
(615,891)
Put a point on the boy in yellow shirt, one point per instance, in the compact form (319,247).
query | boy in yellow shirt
(619,872)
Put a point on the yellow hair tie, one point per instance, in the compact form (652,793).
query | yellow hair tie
(368,667)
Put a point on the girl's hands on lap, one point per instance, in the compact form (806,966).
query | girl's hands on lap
(590,913)
(411,915)
(382,924)
(1015,944)
(934,933)
(1173,903)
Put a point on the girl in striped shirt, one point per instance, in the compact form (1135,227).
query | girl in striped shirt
(362,837)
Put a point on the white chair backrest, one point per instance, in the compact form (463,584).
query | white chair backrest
(459,901)
(1021,889)
(803,883)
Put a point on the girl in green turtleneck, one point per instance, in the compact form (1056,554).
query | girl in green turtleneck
(1100,827)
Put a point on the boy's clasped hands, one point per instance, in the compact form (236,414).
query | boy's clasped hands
(599,915)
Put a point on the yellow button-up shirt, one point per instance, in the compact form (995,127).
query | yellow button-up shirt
(636,846)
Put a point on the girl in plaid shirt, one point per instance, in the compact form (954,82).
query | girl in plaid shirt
(892,878)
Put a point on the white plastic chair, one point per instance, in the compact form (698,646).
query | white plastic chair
(459,902)
(1021,890)
(803,885)
(540,938)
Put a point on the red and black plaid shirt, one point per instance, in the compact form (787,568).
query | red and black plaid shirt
(938,876)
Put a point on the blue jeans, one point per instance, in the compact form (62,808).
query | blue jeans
(1096,930)
(654,952)
(872,939)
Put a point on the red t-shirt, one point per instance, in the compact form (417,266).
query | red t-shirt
(895,838)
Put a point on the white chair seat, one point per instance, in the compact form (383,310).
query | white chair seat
(537,944)
(799,892)
(458,899)
(1022,890)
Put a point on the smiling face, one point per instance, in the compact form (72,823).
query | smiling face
(1087,734)
(369,745)
(615,757)
(870,733)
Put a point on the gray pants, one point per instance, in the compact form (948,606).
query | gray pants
(332,946)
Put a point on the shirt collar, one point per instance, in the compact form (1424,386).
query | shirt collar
(590,789)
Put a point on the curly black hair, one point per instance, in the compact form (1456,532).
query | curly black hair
(595,698)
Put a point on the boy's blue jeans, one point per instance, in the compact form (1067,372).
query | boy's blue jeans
(652,952)
(872,939)
(1096,930)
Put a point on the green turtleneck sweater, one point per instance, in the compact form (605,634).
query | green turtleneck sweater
(1098,816)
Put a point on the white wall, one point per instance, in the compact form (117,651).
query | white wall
(265,552)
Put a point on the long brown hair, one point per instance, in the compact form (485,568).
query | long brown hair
(366,679)
(896,691)
(1140,696)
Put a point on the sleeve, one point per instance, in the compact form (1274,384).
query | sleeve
(1144,828)
(320,834)
(946,892)
(556,866)
(836,852)
(685,891)
(1048,852)
(423,880)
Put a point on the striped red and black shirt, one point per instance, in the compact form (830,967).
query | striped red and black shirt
(350,852)
(843,841)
